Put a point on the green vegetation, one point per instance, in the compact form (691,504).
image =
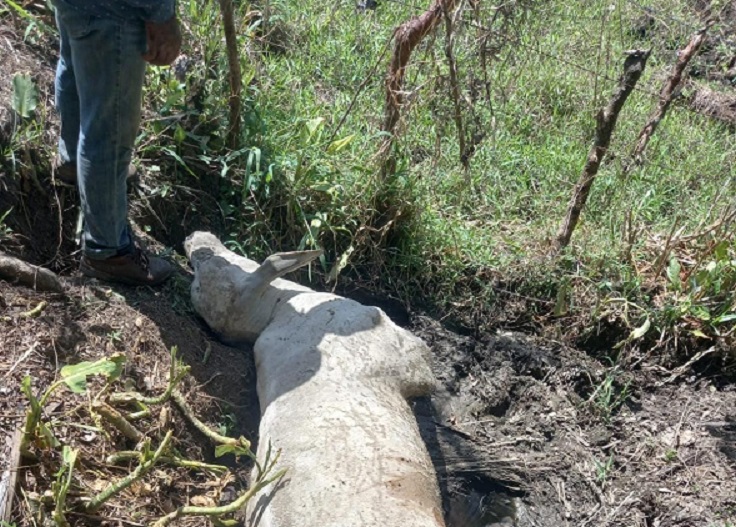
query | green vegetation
(40,441)
(654,248)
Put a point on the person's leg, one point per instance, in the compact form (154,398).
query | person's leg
(107,61)
(67,99)
(109,70)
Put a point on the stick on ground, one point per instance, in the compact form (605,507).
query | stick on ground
(9,477)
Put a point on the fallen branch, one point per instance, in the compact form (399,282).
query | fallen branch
(149,461)
(667,93)
(9,477)
(606,122)
(14,270)
(682,370)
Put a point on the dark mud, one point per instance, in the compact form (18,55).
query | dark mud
(528,432)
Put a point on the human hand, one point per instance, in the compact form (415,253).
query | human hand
(163,41)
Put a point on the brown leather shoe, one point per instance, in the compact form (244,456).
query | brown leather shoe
(67,172)
(132,268)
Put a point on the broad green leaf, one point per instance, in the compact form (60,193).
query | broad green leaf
(641,330)
(673,273)
(69,455)
(701,313)
(341,263)
(48,436)
(221,450)
(311,129)
(75,375)
(322,187)
(721,251)
(179,134)
(25,95)
(725,318)
(338,145)
(699,334)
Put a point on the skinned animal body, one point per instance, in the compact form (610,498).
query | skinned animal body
(334,380)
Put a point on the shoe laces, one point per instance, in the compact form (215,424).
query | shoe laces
(139,257)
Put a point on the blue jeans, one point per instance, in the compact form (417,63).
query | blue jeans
(99,83)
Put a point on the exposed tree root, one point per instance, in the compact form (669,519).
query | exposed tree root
(38,278)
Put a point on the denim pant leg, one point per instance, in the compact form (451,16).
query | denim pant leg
(67,99)
(109,71)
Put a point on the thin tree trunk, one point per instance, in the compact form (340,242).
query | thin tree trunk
(235,76)
(668,90)
(455,90)
(606,123)
(406,37)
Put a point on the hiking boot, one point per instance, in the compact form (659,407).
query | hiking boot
(67,172)
(133,268)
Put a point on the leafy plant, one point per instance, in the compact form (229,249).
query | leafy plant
(25,95)
(62,485)
(610,395)
(5,231)
(603,469)
(75,377)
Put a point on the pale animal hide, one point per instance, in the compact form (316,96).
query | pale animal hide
(334,379)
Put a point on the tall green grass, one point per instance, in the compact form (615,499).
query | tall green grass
(434,230)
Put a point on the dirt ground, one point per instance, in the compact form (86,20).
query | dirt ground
(523,431)
(520,432)
(516,429)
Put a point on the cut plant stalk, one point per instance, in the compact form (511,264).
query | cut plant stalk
(124,456)
(147,463)
(605,124)
(176,374)
(263,480)
(668,92)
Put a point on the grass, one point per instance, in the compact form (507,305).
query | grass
(449,237)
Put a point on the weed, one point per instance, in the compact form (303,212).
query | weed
(670,456)
(5,231)
(610,395)
(603,469)
(304,172)
(115,336)
(228,424)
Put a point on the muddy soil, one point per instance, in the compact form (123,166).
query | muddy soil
(529,432)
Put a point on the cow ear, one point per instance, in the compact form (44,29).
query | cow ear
(279,264)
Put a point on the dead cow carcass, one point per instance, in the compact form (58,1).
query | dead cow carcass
(334,377)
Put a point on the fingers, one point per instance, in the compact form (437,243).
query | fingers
(164,42)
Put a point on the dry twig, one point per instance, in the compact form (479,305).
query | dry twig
(606,122)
